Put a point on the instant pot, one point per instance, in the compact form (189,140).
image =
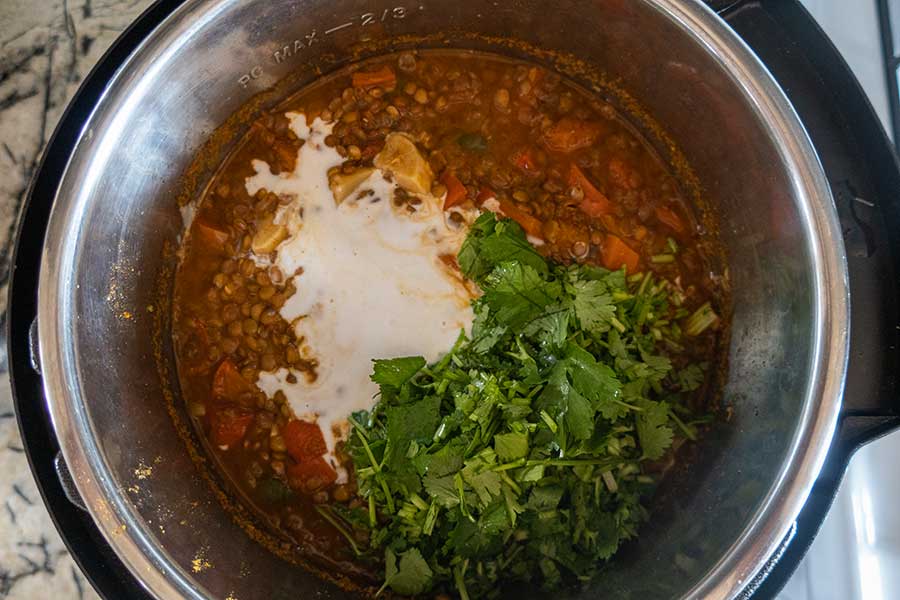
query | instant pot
(781,137)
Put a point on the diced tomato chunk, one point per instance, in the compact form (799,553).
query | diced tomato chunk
(524,159)
(485,193)
(456,191)
(617,253)
(311,475)
(384,76)
(670,219)
(594,203)
(228,383)
(569,134)
(228,426)
(530,224)
(304,440)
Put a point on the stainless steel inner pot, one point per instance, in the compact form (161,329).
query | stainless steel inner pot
(115,213)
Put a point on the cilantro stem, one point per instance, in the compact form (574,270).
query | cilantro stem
(701,320)
(628,406)
(418,502)
(326,514)
(617,324)
(701,420)
(365,444)
(520,462)
(610,481)
(445,360)
(460,490)
(644,283)
(357,427)
(512,484)
(388,497)
(673,245)
(459,572)
(635,277)
(549,421)
(430,518)
(642,315)
(440,432)
(372,515)
(515,552)
(660,259)
(574,462)
(688,433)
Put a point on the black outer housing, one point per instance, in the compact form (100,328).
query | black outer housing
(859,161)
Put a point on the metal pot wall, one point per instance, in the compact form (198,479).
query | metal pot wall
(114,216)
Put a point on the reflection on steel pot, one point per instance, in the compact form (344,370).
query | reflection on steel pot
(115,221)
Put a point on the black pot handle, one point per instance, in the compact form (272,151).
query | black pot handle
(66,482)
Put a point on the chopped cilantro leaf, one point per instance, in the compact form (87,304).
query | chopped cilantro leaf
(593,305)
(491,242)
(653,430)
(412,576)
(413,421)
(396,371)
(511,446)
(516,294)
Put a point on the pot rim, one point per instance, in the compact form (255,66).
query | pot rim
(122,526)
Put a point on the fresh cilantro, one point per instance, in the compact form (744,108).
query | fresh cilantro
(593,305)
(516,294)
(412,575)
(520,455)
(442,489)
(511,446)
(653,430)
(414,421)
(545,497)
(691,377)
(491,242)
(396,371)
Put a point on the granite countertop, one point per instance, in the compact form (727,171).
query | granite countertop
(46,48)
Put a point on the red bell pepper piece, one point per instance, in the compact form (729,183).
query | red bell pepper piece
(304,440)
(617,253)
(228,383)
(228,426)
(456,191)
(311,475)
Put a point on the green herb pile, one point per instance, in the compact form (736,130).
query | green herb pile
(521,454)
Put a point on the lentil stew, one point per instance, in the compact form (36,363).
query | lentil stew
(476,133)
